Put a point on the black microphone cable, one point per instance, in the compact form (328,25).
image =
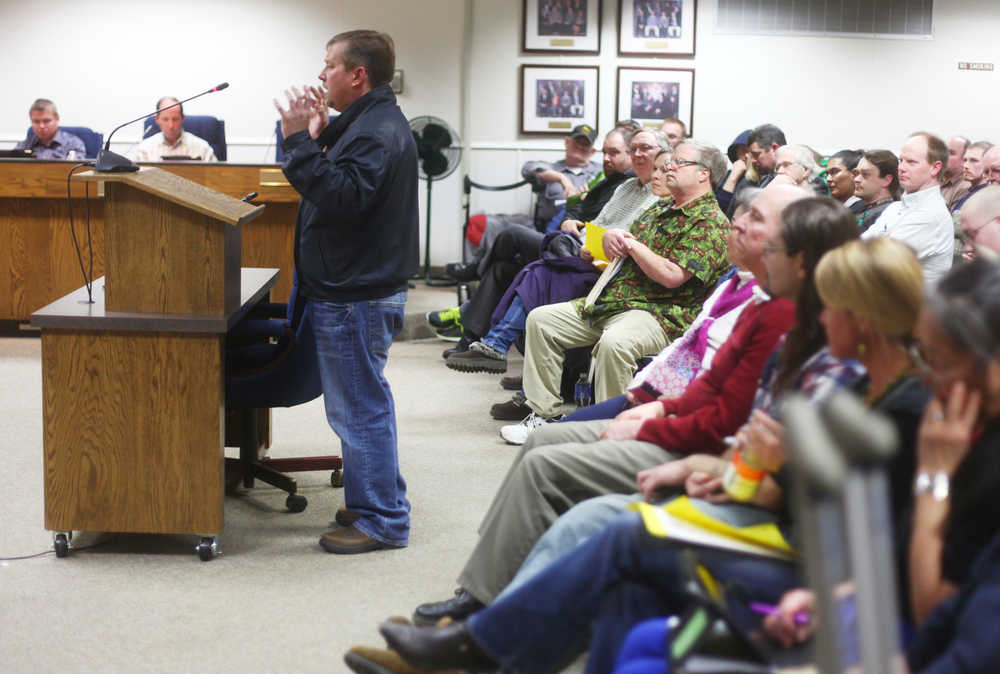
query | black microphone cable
(88,278)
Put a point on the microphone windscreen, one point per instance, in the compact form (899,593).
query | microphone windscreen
(221,86)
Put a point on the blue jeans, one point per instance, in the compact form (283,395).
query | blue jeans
(613,580)
(352,345)
(510,327)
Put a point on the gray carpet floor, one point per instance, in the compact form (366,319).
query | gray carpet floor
(275,601)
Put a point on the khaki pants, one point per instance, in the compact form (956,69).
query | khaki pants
(559,466)
(619,341)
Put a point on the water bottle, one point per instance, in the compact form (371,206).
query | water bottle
(743,475)
(583,395)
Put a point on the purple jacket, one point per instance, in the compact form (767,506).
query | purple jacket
(551,279)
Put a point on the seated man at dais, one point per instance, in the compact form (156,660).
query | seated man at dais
(172,140)
(47,141)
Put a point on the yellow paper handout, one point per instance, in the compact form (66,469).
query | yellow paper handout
(592,243)
(681,521)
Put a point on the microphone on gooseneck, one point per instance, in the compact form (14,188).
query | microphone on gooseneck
(110,162)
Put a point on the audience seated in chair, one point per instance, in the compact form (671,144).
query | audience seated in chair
(980,224)
(954,551)
(921,219)
(675,130)
(762,143)
(624,199)
(974,171)
(563,464)
(516,247)
(621,576)
(663,267)
(954,185)
(876,183)
(840,169)
(796,162)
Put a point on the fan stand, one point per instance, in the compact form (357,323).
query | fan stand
(434,281)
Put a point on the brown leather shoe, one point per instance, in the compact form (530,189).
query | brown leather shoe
(350,541)
(437,648)
(509,411)
(345,517)
(365,660)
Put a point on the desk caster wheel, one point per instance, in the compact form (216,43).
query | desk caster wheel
(337,478)
(61,544)
(296,503)
(207,549)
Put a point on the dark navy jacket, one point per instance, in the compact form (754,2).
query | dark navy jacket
(960,635)
(357,231)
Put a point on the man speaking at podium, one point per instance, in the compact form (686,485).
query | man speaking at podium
(356,244)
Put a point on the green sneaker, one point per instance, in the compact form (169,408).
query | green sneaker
(445,318)
(452,333)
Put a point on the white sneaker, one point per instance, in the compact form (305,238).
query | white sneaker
(517,434)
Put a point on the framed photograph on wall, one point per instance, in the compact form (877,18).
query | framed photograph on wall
(650,95)
(561,26)
(554,99)
(656,27)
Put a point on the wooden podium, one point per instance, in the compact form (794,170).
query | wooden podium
(133,384)
(39,260)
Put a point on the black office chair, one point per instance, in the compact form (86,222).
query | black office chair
(210,129)
(92,141)
(467,184)
(280,371)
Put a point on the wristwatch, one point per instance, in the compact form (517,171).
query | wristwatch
(936,484)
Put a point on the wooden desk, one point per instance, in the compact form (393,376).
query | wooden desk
(133,413)
(37,256)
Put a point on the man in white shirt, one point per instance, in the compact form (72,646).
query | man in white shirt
(921,219)
(172,140)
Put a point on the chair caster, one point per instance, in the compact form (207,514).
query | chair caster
(208,549)
(296,503)
(337,478)
(61,543)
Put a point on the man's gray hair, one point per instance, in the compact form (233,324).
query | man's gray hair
(745,197)
(711,158)
(802,156)
(659,136)
(965,304)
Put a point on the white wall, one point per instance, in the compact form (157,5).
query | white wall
(461,60)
